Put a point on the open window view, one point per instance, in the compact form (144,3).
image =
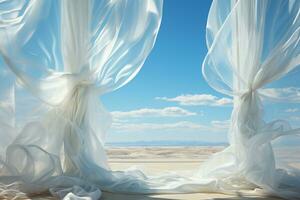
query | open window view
(149,99)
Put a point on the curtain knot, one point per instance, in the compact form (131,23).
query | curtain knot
(247,93)
(83,79)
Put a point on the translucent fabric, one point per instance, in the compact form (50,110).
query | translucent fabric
(59,57)
(251,44)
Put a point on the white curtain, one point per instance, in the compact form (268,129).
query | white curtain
(59,58)
(252,43)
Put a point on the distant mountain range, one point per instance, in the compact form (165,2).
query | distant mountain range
(165,143)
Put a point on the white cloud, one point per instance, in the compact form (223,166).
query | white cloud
(221,124)
(150,112)
(198,100)
(292,110)
(290,94)
(182,125)
(177,126)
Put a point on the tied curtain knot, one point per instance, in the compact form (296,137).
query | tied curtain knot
(247,117)
(80,86)
(84,78)
(249,124)
(74,111)
(251,91)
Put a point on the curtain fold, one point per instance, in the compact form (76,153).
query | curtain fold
(67,54)
(61,56)
(251,44)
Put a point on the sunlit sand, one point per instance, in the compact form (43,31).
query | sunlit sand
(156,160)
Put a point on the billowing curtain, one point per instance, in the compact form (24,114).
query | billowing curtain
(252,44)
(58,58)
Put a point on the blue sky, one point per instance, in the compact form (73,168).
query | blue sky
(169,98)
(172,69)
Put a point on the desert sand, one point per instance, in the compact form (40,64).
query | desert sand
(153,160)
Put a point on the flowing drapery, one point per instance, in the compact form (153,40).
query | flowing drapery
(250,45)
(59,58)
